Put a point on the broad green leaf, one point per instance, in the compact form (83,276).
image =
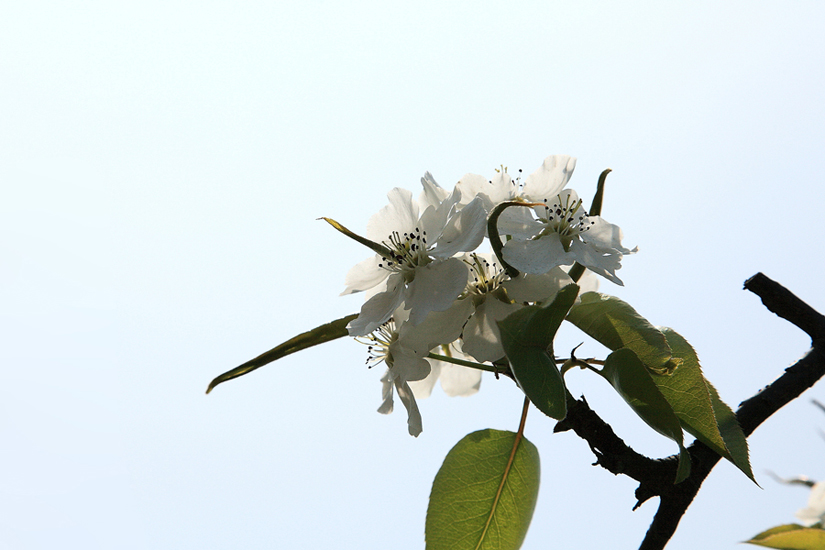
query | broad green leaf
(527,337)
(319,335)
(687,392)
(731,432)
(484,495)
(629,377)
(615,324)
(791,537)
(698,406)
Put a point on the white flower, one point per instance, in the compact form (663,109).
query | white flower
(403,347)
(490,296)
(547,180)
(815,511)
(456,380)
(562,234)
(419,272)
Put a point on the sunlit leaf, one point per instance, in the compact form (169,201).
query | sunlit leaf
(629,377)
(615,324)
(527,337)
(791,537)
(484,495)
(731,432)
(319,335)
(698,406)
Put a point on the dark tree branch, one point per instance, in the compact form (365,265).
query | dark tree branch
(655,477)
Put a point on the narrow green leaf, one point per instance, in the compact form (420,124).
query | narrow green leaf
(596,205)
(319,335)
(615,324)
(791,537)
(482,499)
(629,377)
(698,406)
(527,337)
(379,249)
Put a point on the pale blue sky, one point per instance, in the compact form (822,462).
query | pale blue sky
(163,165)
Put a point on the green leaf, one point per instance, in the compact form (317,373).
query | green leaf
(379,249)
(615,324)
(320,335)
(484,495)
(629,377)
(731,432)
(791,537)
(527,337)
(698,406)
(686,391)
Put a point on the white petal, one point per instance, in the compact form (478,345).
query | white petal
(437,328)
(433,194)
(519,222)
(400,215)
(365,275)
(472,186)
(413,415)
(482,338)
(459,381)
(605,236)
(550,178)
(464,231)
(407,364)
(433,220)
(422,389)
(601,263)
(386,394)
(815,511)
(378,309)
(537,255)
(529,287)
(435,288)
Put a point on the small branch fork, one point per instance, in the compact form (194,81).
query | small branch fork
(655,476)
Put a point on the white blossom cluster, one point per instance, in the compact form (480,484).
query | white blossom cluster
(434,290)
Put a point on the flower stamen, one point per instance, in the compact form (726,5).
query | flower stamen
(378,344)
(567,219)
(409,251)
(487,277)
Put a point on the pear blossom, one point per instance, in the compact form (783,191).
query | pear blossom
(815,511)
(496,296)
(547,180)
(563,233)
(384,348)
(403,348)
(489,297)
(419,271)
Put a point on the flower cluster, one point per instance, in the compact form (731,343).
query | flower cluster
(428,287)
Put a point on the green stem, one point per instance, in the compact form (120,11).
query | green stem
(454,361)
